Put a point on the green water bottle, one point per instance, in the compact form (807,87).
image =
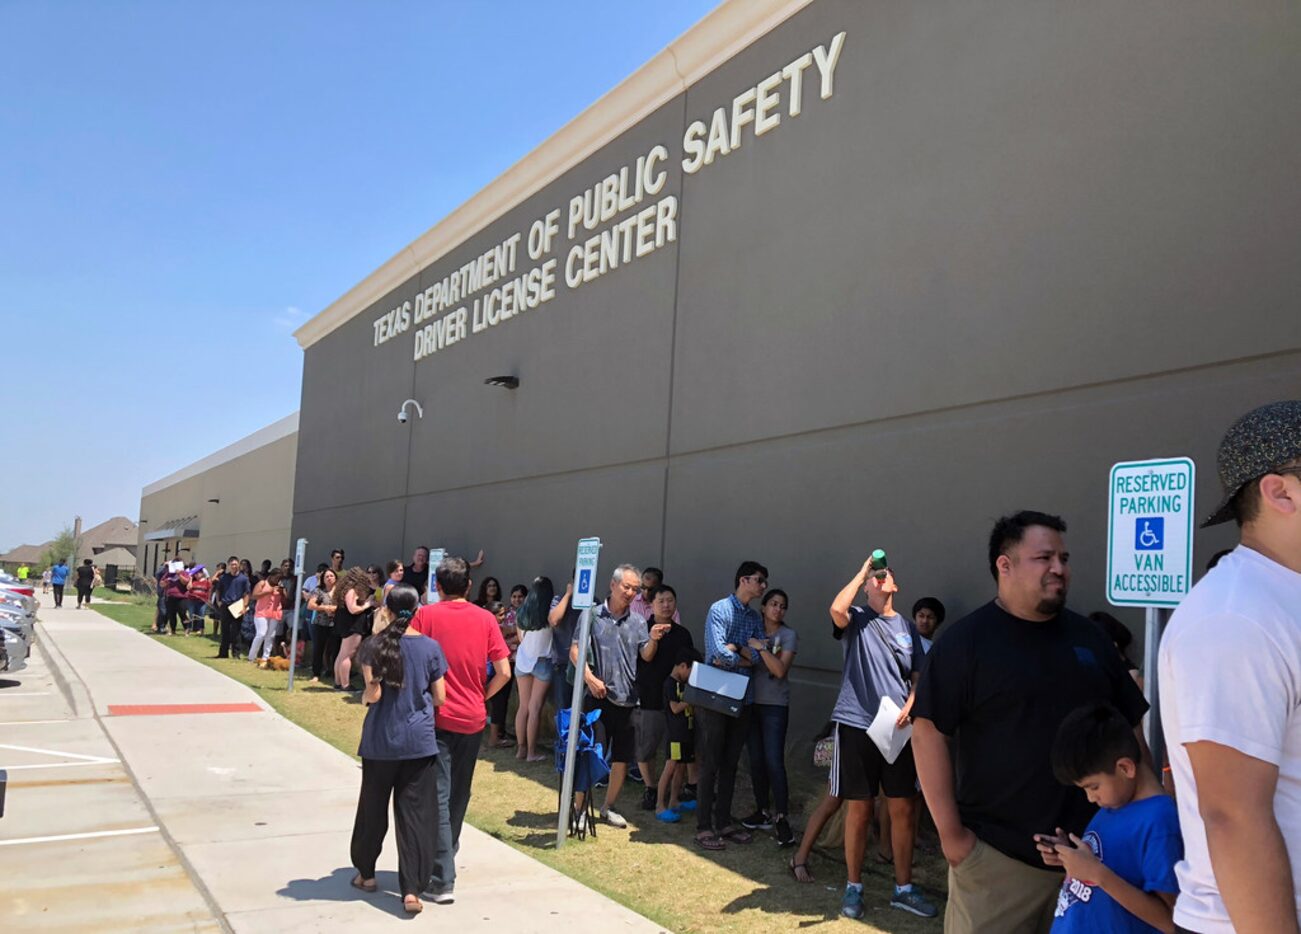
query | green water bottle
(878,563)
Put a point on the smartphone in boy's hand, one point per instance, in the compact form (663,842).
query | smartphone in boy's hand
(1047,844)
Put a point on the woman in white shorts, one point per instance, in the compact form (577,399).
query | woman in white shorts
(533,669)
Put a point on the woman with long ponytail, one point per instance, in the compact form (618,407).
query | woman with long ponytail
(403,671)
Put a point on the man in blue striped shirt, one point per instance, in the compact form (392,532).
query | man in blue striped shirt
(730,625)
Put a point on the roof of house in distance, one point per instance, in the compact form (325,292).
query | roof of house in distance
(23,554)
(118,532)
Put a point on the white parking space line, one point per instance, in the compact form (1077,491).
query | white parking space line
(25,694)
(58,765)
(57,752)
(80,836)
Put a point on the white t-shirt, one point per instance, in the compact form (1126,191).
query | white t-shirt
(533,645)
(1230,673)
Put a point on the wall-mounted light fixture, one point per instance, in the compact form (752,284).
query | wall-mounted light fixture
(214,501)
(505,382)
(402,412)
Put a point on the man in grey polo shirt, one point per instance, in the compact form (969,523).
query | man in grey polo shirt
(618,637)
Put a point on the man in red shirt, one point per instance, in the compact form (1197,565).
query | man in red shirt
(470,638)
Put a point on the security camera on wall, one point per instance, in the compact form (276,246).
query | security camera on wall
(402,416)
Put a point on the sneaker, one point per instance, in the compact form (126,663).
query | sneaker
(668,816)
(634,774)
(686,805)
(649,799)
(441,896)
(688,792)
(851,906)
(757,821)
(613,818)
(784,835)
(913,900)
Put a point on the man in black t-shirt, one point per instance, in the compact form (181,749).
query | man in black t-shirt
(999,684)
(417,573)
(648,718)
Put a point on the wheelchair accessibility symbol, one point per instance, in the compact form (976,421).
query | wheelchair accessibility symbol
(1149,533)
(584,580)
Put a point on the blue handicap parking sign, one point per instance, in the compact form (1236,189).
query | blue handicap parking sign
(1149,533)
(584,580)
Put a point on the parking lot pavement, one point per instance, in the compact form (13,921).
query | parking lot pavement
(219,801)
(80,848)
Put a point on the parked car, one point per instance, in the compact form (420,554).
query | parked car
(15,601)
(13,651)
(22,623)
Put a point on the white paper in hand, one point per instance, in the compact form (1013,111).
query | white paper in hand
(889,738)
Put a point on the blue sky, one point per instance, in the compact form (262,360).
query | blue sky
(183,182)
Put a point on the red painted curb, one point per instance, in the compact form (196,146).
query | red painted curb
(163,710)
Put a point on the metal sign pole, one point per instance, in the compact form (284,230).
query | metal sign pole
(589,550)
(575,713)
(1154,624)
(300,556)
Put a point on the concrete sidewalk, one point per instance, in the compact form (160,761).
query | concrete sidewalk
(260,811)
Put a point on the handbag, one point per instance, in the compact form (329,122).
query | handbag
(716,689)
(824,751)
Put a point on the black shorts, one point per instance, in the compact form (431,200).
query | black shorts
(680,748)
(615,731)
(858,769)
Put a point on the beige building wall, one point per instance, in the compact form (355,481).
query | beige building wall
(252,481)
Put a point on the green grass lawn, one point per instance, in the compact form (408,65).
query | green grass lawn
(653,868)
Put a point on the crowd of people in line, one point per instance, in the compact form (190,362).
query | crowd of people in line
(1019,731)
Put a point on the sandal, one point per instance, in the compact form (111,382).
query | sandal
(412,905)
(800,871)
(736,835)
(709,841)
(504,744)
(366,885)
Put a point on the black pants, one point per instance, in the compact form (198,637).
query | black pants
(719,740)
(83,595)
(325,646)
(412,784)
(499,703)
(175,612)
(457,754)
(229,632)
(58,594)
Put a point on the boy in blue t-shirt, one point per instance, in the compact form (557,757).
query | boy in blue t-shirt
(1121,876)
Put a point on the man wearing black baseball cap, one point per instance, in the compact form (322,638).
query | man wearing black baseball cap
(1230,682)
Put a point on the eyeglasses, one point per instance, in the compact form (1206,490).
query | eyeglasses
(761,581)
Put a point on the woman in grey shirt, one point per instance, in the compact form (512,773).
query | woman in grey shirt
(769,718)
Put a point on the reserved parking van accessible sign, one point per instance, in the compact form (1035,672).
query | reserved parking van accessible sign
(1150,532)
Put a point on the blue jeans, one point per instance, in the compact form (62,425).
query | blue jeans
(457,753)
(767,742)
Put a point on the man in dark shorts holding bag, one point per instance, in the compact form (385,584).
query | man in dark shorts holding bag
(883,656)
